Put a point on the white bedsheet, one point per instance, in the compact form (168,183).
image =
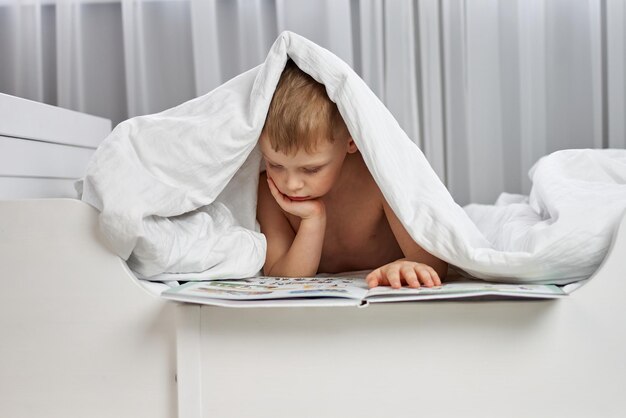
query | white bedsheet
(177,189)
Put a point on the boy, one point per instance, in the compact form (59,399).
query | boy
(318,205)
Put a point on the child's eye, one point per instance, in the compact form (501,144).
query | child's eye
(275,167)
(312,170)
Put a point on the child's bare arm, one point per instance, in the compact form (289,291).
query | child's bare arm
(290,254)
(417,266)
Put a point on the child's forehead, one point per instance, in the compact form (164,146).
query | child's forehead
(299,158)
(318,156)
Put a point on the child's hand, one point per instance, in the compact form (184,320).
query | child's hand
(305,209)
(410,272)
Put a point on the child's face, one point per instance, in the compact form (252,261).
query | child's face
(303,175)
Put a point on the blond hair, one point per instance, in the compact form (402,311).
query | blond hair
(301,114)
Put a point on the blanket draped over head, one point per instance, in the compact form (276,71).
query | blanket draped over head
(177,189)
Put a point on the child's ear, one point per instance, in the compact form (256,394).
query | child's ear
(351,146)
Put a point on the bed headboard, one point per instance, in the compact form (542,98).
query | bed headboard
(43,148)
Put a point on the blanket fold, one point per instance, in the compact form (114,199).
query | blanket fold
(177,189)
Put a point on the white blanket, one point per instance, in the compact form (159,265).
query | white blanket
(177,189)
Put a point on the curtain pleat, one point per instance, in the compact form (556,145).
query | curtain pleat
(28,67)
(533,110)
(455,103)
(372,44)
(401,65)
(207,71)
(69,55)
(430,94)
(616,72)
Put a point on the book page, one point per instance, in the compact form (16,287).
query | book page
(259,288)
(466,288)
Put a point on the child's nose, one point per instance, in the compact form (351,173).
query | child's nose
(294,183)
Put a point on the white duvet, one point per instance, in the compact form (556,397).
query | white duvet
(177,189)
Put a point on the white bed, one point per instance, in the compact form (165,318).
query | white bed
(81,337)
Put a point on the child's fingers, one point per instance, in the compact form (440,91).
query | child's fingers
(393,277)
(273,189)
(373,279)
(435,276)
(414,274)
(278,196)
(272,186)
(410,276)
(424,275)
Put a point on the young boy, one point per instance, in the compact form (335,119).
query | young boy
(318,205)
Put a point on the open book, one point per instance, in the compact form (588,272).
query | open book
(341,291)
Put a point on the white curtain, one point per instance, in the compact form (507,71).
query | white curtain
(484,87)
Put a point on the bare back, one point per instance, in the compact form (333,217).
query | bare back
(358,235)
